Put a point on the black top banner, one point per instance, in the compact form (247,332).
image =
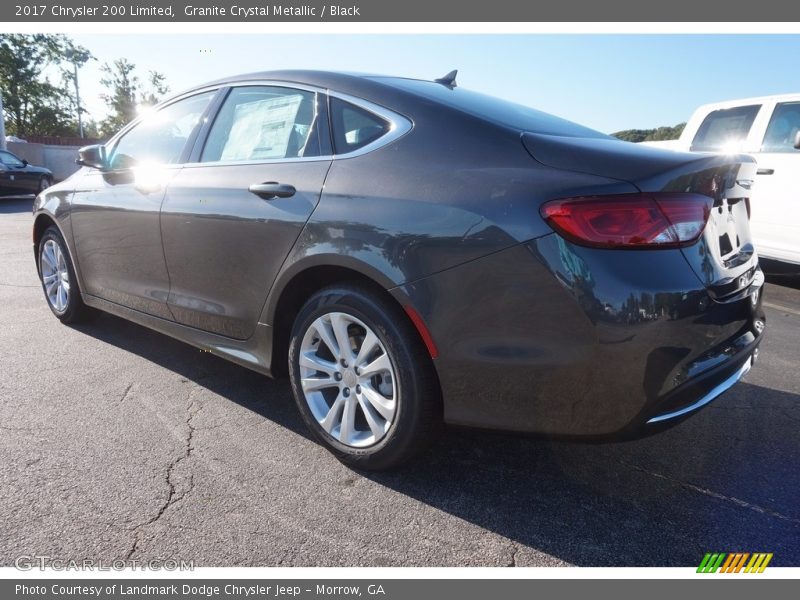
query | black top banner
(198,11)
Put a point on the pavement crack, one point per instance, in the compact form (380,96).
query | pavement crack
(178,487)
(513,559)
(125,393)
(712,494)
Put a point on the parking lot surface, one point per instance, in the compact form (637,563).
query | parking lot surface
(119,442)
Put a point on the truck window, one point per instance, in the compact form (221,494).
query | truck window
(782,128)
(725,127)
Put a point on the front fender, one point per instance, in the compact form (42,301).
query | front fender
(53,206)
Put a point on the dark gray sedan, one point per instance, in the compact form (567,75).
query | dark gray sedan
(411,253)
(19,178)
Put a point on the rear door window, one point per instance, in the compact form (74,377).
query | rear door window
(782,128)
(725,128)
(259,123)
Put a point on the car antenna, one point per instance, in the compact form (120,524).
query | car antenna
(448,80)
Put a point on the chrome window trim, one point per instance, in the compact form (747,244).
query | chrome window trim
(399,125)
(271,161)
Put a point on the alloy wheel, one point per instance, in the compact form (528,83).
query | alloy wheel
(55,276)
(348,380)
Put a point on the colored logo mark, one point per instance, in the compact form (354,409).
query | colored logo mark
(734,562)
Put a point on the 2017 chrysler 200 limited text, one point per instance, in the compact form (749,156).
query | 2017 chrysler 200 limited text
(412,254)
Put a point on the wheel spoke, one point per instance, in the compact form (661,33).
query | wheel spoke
(47,258)
(61,300)
(339,324)
(323,328)
(348,420)
(48,279)
(379,365)
(51,287)
(309,360)
(367,346)
(383,406)
(371,418)
(313,384)
(333,417)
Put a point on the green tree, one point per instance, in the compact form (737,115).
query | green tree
(77,56)
(126,93)
(33,104)
(651,135)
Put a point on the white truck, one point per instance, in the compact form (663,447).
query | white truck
(768,128)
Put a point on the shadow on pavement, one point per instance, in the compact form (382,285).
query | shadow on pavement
(664,500)
(703,486)
(782,274)
(788,281)
(263,395)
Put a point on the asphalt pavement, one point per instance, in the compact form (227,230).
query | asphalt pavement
(119,442)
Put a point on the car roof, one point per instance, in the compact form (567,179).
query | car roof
(400,94)
(342,81)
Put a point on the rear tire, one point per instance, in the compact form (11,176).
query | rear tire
(383,380)
(58,279)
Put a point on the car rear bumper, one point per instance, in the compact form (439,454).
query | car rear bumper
(700,393)
(569,341)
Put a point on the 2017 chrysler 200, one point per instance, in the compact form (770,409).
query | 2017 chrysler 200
(414,253)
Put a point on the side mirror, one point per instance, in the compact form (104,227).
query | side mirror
(24,162)
(92,156)
(797,141)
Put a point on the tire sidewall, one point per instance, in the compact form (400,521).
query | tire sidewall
(388,327)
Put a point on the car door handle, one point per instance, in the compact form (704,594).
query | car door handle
(272,189)
(765,171)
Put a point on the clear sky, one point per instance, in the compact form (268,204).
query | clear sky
(608,82)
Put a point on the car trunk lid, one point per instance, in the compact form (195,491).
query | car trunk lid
(723,257)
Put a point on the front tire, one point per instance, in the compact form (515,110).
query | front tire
(362,378)
(58,279)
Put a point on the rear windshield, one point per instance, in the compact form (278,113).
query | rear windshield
(724,129)
(496,110)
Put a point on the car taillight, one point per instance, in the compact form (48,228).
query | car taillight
(657,220)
